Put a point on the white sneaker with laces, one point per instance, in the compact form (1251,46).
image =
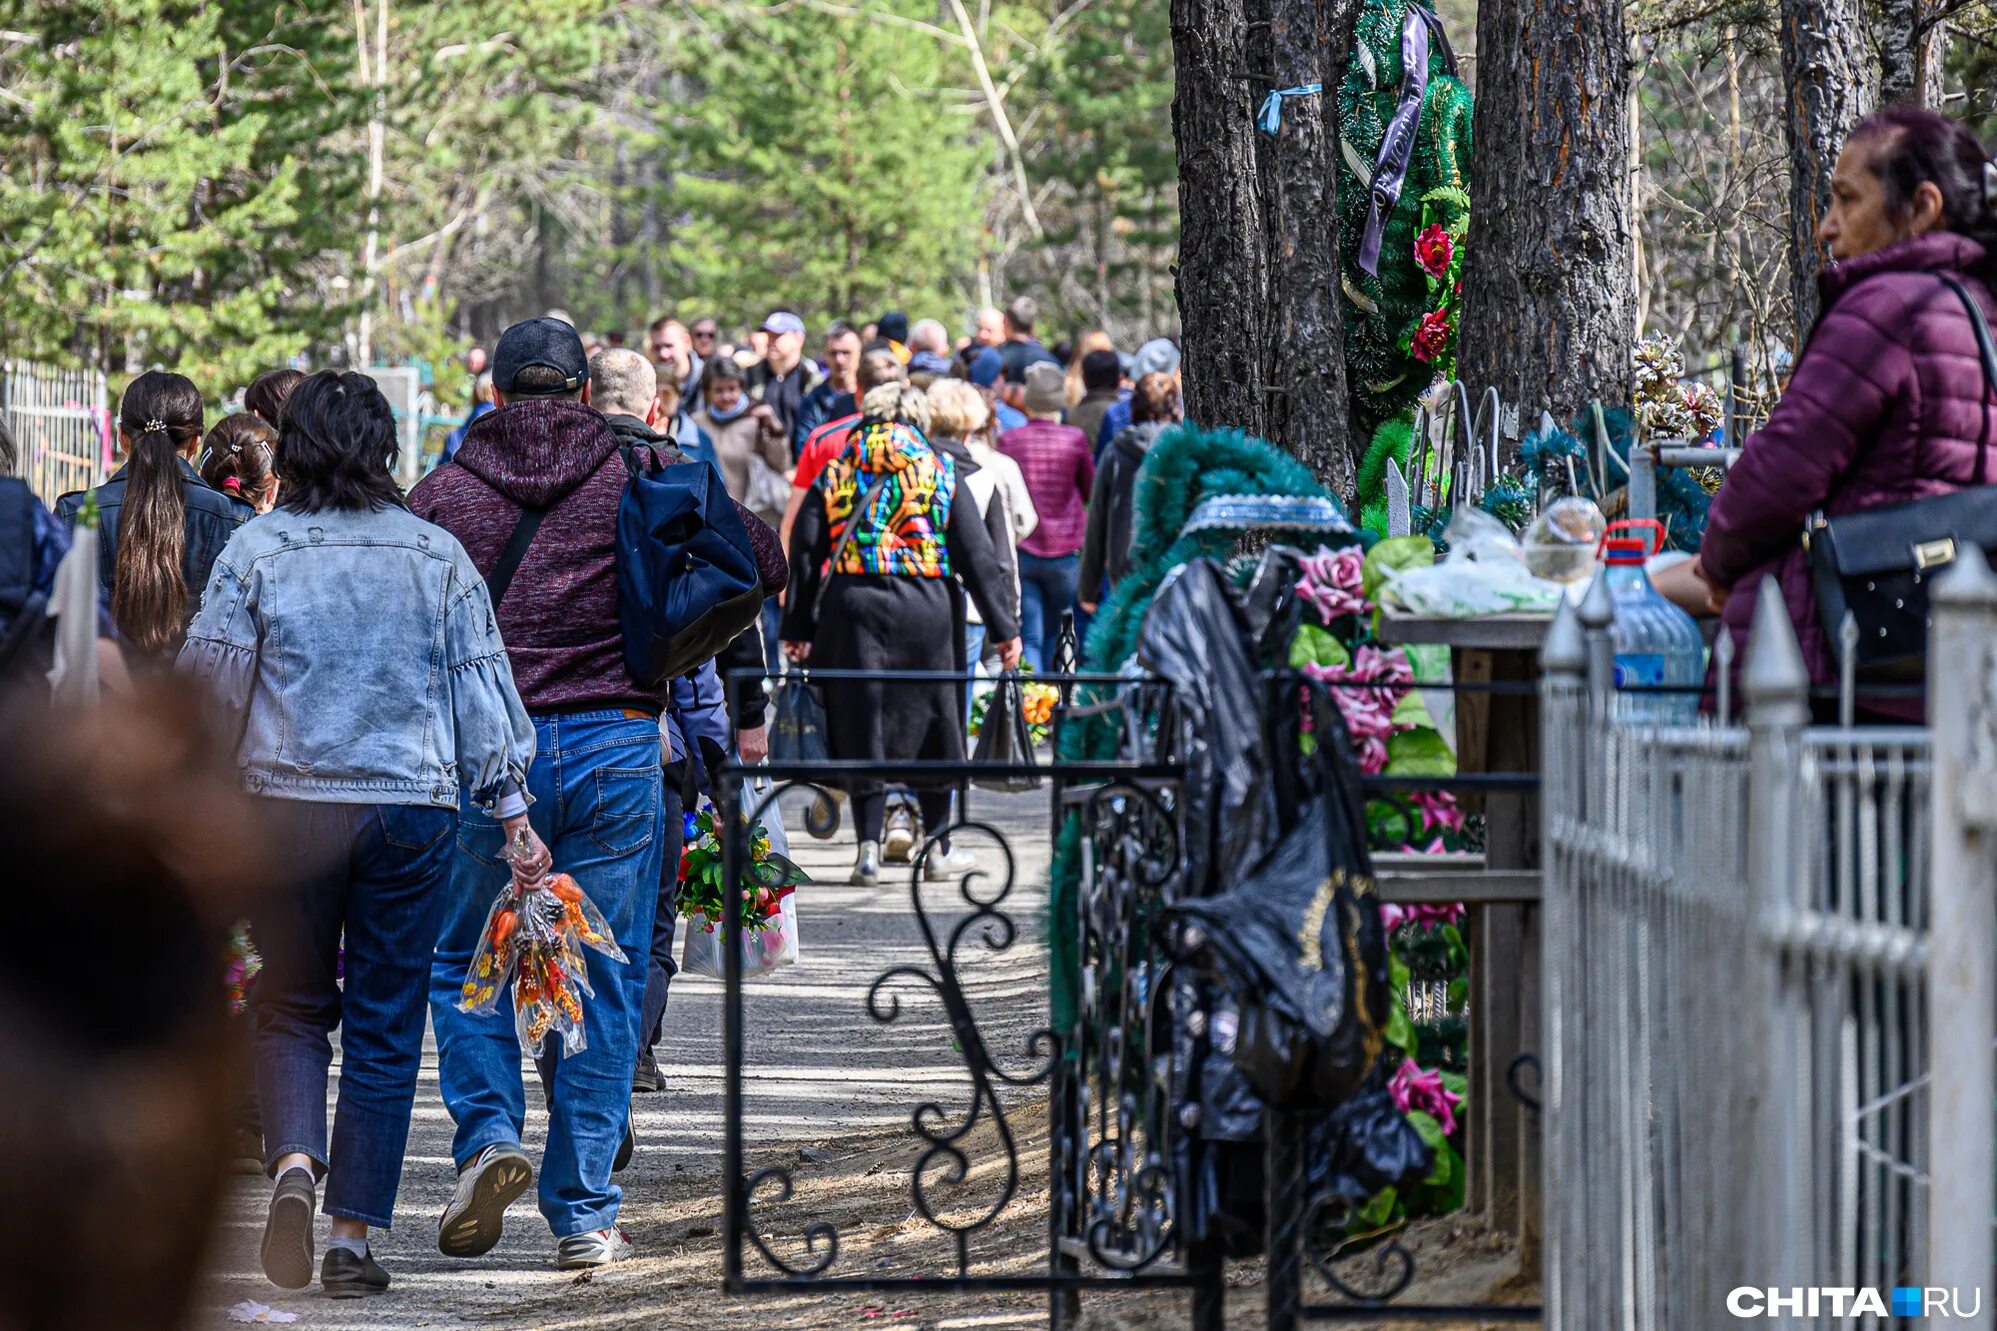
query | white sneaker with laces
(598,1247)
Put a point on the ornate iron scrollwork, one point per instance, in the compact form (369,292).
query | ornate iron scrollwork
(931,1122)
(1330,1213)
(1132,861)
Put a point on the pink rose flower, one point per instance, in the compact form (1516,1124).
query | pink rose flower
(1331,582)
(1434,249)
(1431,336)
(1369,711)
(1438,809)
(1415,1089)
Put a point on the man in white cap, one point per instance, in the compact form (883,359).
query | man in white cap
(785,376)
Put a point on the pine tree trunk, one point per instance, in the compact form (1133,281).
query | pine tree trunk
(1826,92)
(1910,40)
(1307,409)
(1549,306)
(1899,80)
(1222,274)
(1911,46)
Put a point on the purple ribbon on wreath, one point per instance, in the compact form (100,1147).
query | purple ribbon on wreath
(1397,145)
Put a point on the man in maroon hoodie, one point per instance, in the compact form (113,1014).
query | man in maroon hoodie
(595,783)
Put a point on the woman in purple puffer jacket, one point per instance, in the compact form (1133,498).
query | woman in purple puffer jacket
(1888,402)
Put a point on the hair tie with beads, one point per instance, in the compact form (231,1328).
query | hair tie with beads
(155,425)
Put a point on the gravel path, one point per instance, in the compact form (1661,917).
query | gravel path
(829,1094)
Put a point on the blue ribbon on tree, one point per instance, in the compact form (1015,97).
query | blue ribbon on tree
(1270,118)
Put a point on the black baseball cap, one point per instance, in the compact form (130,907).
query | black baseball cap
(543,341)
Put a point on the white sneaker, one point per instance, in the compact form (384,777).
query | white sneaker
(471,1224)
(898,841)
(867,867)
(599,1247)
(942,868)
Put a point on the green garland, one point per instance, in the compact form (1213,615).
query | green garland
(1386,312)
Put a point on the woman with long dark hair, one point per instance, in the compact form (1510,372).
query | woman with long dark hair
(1889,401)
(363,697)
(160,525)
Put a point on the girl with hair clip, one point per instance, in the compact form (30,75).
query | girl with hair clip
(239,458)
(161,527)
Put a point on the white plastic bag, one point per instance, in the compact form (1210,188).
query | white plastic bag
(764,951)
(1483,574)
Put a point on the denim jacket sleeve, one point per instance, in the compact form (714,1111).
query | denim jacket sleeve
(222,645)
(495,736)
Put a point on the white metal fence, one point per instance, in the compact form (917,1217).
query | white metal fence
(1759,944)
(60,424)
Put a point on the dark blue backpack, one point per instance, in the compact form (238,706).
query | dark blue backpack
(687,582)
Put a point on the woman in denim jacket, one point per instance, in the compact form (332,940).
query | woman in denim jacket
(353,650)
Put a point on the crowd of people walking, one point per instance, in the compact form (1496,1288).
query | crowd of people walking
(430,692)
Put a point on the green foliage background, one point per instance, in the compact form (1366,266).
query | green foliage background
(188,184)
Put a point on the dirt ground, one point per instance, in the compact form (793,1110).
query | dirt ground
(829,1093)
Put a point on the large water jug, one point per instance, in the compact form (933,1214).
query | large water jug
(1656,642)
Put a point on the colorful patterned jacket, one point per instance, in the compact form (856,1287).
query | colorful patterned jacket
(904,528)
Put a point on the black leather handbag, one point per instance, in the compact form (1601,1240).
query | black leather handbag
(1878,564)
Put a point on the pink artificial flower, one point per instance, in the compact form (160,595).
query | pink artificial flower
(1438,809)
(1393,916)
(1331,582)
(1431,336)
(1369,711)
(1415,1089)
(1434,249)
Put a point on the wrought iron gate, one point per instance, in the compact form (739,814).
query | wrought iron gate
(1114,1124)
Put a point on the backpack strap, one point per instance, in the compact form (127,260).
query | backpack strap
(501,577)
(1988,352)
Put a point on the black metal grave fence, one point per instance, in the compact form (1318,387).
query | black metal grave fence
(1115,1125)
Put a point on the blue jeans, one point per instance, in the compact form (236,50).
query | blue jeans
(660,966)
(596,791)
(379,873)
(1046,588)
(974,651)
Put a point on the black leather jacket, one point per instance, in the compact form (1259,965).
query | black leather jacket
(212,517)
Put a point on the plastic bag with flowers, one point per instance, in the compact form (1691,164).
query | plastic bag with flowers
(535,939)
(766,901)
(1037,703)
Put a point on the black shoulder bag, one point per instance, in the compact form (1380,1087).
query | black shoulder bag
(1877,564)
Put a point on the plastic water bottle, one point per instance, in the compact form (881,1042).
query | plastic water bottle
(1656,642)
